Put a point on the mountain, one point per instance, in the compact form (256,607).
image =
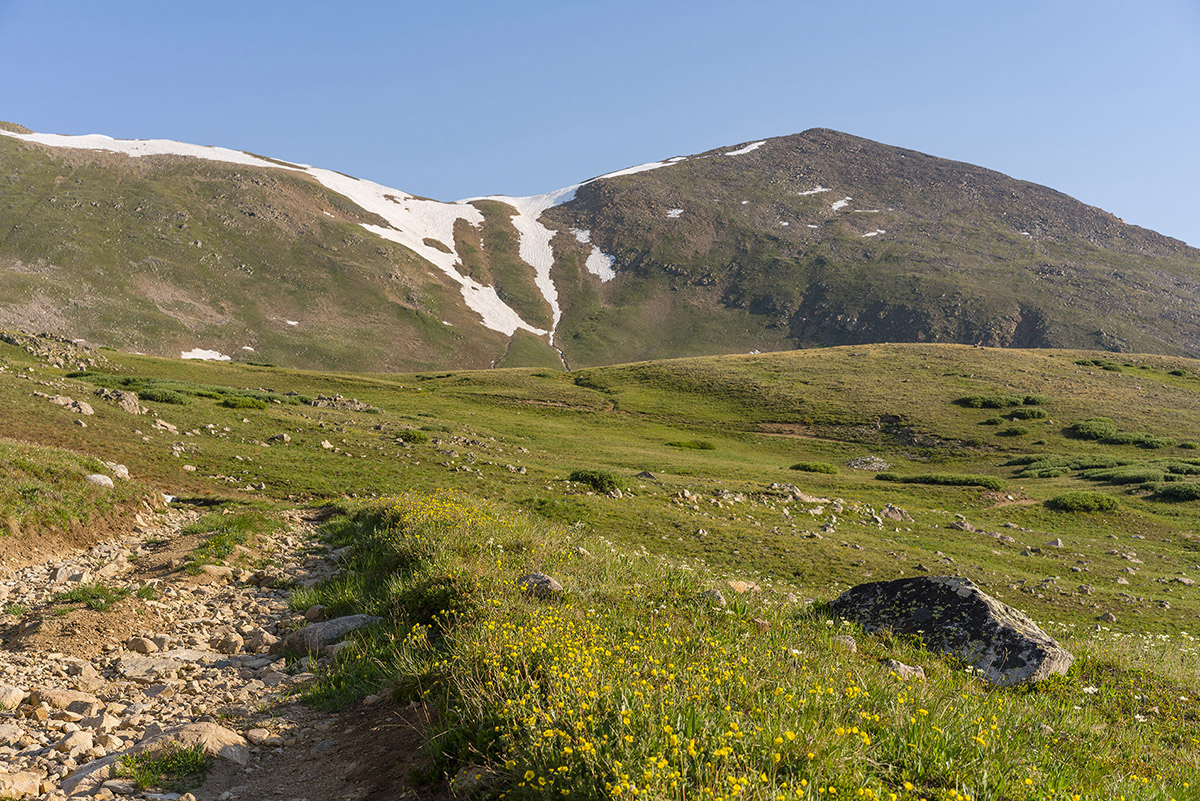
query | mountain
(820,238)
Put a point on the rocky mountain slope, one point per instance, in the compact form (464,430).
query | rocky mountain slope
(814,239)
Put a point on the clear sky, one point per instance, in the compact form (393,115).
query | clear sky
(1096,98)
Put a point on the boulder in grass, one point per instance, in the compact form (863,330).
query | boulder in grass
(539,585)
(311,639)
(952,615)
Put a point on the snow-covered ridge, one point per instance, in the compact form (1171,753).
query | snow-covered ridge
(750,148)
(410,220)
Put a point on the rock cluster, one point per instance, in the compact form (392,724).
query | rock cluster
(202,674)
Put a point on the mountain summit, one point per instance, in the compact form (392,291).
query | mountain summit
(814,239)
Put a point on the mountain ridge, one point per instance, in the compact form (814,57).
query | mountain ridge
(811,239)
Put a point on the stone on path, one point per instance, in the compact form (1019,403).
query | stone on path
(954,616)
(25,784)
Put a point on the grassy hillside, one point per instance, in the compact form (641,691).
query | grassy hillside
(757,471)
(825,238)
(168,254)
(723,431)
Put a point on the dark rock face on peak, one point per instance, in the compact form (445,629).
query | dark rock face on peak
(954,616)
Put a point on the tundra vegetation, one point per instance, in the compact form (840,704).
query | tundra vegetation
(635,680)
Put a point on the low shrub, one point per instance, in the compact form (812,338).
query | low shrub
(1189,445)
(990,401)
(946,479)
(243,402)
(1094,428)
(411,436)
(992,421)
(814,467)
(164,396)
(1083,501)
(1028,414)
(1178,492)
(599,480)
(1012,431)
(1035,400)
(1139,438)
(693,444)
(1127,474)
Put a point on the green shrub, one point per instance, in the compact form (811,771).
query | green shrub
(412,436)
(990,401)
(693,444)
(945,479)
(1029,414)
(1127,474)
(1189,445)
(1139,438)
(1178,372)
(172,768)
(99,597)
(164,396)
(243,402)
(1083,501)
(599,480)
(1178,492)
(814,467)
(1094,428)
(992,421)
(1035,400)
(440,427)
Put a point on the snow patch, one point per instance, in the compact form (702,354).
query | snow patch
(816,190)
(841,204)
(785,223)
(652,165)
(247,348)
(674,214)
(866,211)
(292,322)
(410,220)
(876,232)
(598,263)
(750,148)
(204,355)
(810,225)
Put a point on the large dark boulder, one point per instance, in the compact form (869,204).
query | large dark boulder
(950,614)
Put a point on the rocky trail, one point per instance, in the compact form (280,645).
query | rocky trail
(186,657)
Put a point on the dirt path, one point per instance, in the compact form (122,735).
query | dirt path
(184,658)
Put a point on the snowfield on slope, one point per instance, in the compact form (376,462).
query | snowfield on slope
(410,220)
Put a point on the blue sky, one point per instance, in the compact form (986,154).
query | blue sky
(1098,99)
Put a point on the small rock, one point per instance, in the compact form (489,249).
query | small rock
(742,587)
(1108,617)
(280,438)
(141,645)
(539,585)
(99,480)
(314,613)
(847,642)
(11,697)
(714,596)
(229,644)
(257,736)
(904,671)
(1055,543)
(24,784)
